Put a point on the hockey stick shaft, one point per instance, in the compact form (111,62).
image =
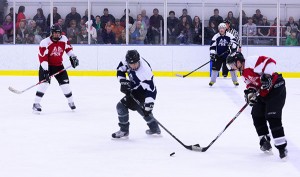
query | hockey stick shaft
(195,147)
(183,76)
(229,123)
(42,81)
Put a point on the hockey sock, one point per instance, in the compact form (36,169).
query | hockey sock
(214,75)
(40,92)
(67,92)
(233,76)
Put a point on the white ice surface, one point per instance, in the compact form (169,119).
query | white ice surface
(62,143)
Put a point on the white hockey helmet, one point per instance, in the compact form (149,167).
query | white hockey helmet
(222,25)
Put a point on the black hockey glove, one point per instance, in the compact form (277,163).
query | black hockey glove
(250,96)
(266,81)
(125,86)
(46,75)
(148,107)
(74,61)
(213,57)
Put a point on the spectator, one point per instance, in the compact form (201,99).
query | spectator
(197,30)
(156,26)
(216,17)
(249,30)
(72,32)
(244,18)
(172,23)
(106,17)
(40,19)
(123,19)
(233,20)
(82,37)
(8,25)
(257,17)
(85,17)
(182,31)
(91,30)
(138,35)
(209,32)
(35,32)
(2,32)
(291,25)
(98,23)
(123,37)
(60,23)
(145,19)
(73,15)
(264,29)
(3,6)
(185,14)
(118,31)
(11,14)
(21,16)
(82,23)
(273,29)
(22,33)
(291,40)
(56,17)
(138,18)
(108,36)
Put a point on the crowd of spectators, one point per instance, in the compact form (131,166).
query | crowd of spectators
(106,29)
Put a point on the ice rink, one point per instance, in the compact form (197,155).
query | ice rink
(62,143)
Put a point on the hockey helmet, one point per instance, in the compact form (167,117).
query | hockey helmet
(222,25)
(233,58)
(227,22)
(55,28)
(132,56)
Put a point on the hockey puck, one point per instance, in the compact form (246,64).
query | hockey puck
(172,153)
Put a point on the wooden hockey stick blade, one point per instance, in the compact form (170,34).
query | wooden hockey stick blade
(14,90)
(179,75)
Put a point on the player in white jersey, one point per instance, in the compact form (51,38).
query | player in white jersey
(222,44)
(141,86)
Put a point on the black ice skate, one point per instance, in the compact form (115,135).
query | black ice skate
(236,83)
(120,134)
(283,153)
(265,144)
(211,83)
(153,131)
(37,108)
(72,105)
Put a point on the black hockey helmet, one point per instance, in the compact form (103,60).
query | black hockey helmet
(233,58)
(132,56)
(55,28)
(227,21)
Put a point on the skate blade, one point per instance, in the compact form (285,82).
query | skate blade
(284,159)
(269,152)
(120,138)
(36,112)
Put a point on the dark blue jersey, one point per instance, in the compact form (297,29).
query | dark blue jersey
(221,43)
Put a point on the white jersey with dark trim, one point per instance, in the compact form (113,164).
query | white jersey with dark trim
(140,79)
(220,43)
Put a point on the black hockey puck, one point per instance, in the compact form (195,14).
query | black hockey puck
(172,153)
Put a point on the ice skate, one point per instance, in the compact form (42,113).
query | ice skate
(37,108)
(72,105)
(153,131)
(120,134)
(211,83)
(283,154)
(265,144)
(236,83)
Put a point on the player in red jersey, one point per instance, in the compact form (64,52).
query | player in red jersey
(51,50)
(266,92)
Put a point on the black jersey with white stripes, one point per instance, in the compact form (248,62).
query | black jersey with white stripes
(141,80)
(236,35)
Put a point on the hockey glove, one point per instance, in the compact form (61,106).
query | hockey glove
(46,75)
(125,86)
(74,61)
(266,81)
(213,57)
(250,96)
(148,107)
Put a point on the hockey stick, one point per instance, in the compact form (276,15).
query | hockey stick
(183,76)
(42,81)
(195,147)
(203,149)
